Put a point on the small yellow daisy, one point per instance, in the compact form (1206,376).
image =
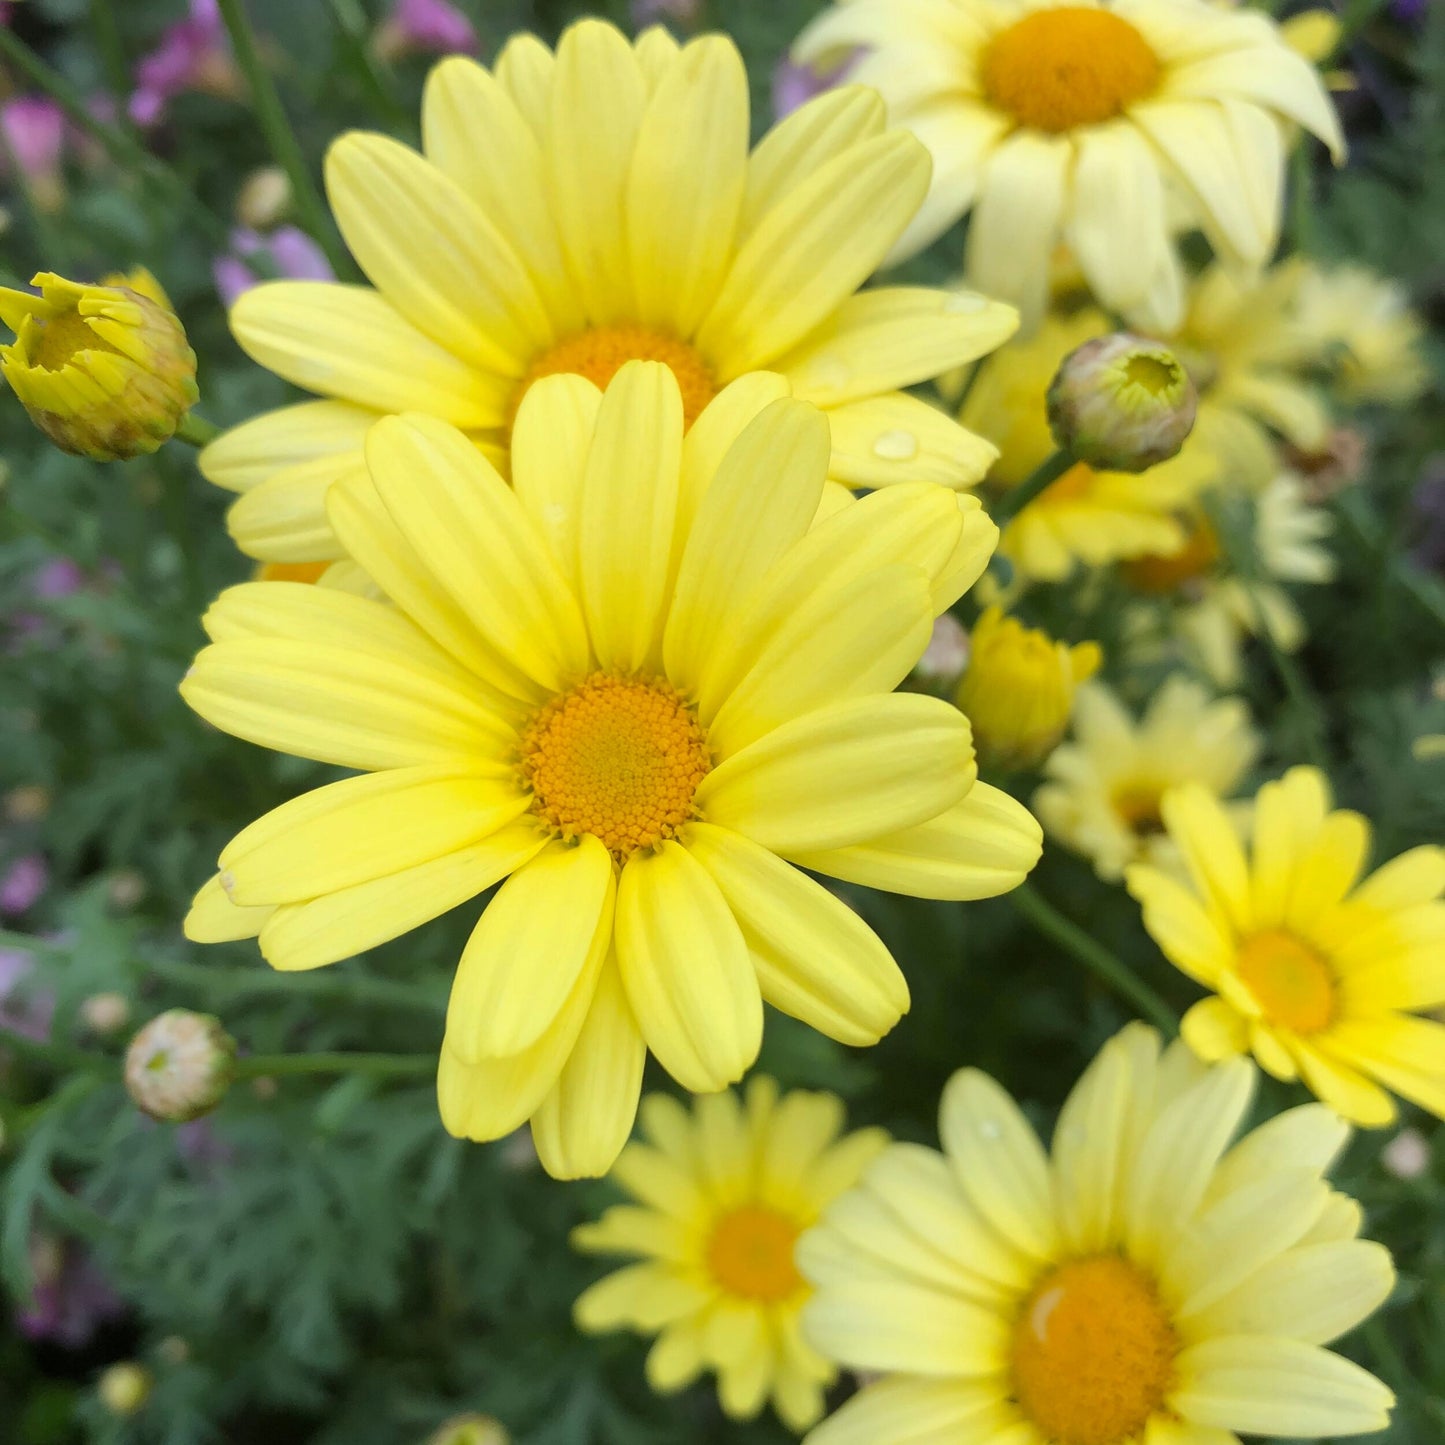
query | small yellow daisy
(1316,972)
(631,684)
(1088,517)
(576,210)
(1104,126)
(1147,1285)
(722,1195)
(1106,784)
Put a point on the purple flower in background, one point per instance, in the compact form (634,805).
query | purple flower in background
(60,577)
(795,85)
(685,13)
(194,54)
(292,252)
(23,883)
(24,1012)
(430,25)
(5,9)
(34,130)
(1409,12)
(1428,550)
(71,1299)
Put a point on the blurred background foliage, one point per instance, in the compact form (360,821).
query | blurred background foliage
(317,1261)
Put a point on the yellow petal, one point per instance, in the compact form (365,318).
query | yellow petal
(213,918)
(893,439)
(917,1410)
(1201,830)
(1215,1030)
(525,69)
(1190,936)
(283,519)
(1406,1054)
(248,454)
(712,435)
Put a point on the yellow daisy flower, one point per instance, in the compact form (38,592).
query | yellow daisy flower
(1087,517)
(721,1196)
(631,685)
(575,211)
(1146,1285)
(1105,786)
(1103,126)
(1316,972)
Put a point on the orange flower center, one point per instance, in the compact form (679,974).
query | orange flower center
(291,571)
(1073,486)
(1071,66)
(1093,1352)
(1138,805)
(1159,575)
(601,353)
(617,757)
(750,1254)
(1290,981)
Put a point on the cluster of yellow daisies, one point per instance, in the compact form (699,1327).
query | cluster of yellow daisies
(601,561)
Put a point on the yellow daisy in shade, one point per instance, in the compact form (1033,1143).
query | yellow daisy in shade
(1106,784)
(1088,517)
(575,211)
(722,1195)
(630,685)
(1315,972)
(1102,126)
(1148,1284)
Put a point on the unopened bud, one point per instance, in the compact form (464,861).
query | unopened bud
(471,1430)
(1018,691)
(946,655)
(180,1065)
(126,888)
(1407,1155)
(28,803)
(1121,403)
(265,198)
(173,1350)
(124,1388)
(105,1013)
(104,371)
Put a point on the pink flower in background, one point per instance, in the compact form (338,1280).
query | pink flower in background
(23,883)
(292,252)
(5,10)
(431,25)
(194,54)
(71,1298)
(27,1012)
(60,577)
(34,129)
(795,85)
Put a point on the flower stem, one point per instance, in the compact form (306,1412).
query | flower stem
(228,984)
(1017,498)
(111,46)
(1094,956)
(281,137)
(256,1066)
(196,431)
(59,1056)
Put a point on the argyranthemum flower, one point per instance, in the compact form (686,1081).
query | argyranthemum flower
(721,1196)
(631,685)
(1101,126)
(1316,972)
(1146,1285)
(1105,785)
(579,210)
(1088,517)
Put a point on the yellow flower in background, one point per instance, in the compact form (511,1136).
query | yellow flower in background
(722,1194)
(1106,784)
(1088,517)
(579,210)
(1107,127)
(1316,972)
(631,684)
(1018,688)
(1146,1282)
(105,371)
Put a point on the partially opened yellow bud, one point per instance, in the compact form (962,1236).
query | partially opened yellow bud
(1019,688)
(471,1430)
(105,371)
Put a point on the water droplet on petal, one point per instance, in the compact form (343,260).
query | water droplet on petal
(896,445)
(964,303)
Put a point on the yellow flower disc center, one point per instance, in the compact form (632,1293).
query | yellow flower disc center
(1138,805)
(1071,66)
(1093,1352)
(55,341)
(750,1254)
(601,353)
(1290,981)
(617,757)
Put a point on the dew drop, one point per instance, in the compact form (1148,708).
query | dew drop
(896,445)
(964,303)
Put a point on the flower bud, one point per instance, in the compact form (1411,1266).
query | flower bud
(1018,690)
(180,1065)
(124,1388)
(264,199)
(105,1013)
(1121,402)
(471,1430)
(945,657)
(104,371)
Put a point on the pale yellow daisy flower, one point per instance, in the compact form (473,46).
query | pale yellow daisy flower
(722,1194)
(1088,517)
(575,211)
(1147,1284)
(1102,126)
(631,685)
(1106,783)
(1316,971)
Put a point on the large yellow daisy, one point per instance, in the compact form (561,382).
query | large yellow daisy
(1146,1285)
(722,1195)
(1316,971)
(1098,125)
(630,685)
(575,211)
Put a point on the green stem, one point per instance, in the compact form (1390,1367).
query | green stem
(257,1066)
(281,137)
(1094,956)
(1424,590)
(1017,498)
(196,431)
(111,46)
(58,1056)
(355,26)
(237,983)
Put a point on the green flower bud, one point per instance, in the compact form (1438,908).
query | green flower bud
(124,1388)
(1121,403)
(180,1065)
